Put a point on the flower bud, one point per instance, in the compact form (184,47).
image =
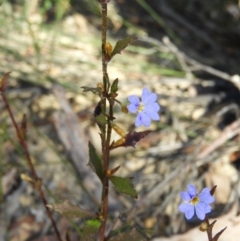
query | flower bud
(108,173)
(108,48)
(26,178)
(124,109)
(100,85)
(118,129)
(203,227)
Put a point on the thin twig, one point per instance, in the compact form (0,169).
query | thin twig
(198,66)
(30,163)
(228,133)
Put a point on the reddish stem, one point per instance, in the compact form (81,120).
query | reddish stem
(105,133)
(30,163)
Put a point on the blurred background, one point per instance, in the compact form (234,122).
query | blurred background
(187,51)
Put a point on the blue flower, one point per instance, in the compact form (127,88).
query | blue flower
(193,200)
(147,108)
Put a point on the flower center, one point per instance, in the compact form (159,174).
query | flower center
(195,200)
(141,107)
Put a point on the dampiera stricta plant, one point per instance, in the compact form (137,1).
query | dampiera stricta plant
(95,226)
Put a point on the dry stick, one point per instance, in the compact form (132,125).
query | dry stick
(198,66)
(229,132)
(29,160)
(105,137)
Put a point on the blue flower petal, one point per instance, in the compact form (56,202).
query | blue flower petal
(151,113)
(187,209)
(205,196)
(142,119)
(148,98)
(154,106)
(208,208)
(185,196)
(149,108)
(202,209)
(134,99)
(138,120)
(192,190)
(183,207)
(145,94)
(132,108)
(204,206)
(145,119)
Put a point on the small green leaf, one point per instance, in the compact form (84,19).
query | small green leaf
(69,210)
(101,119)
(114,86)
(93,223)
(96,91)
(90,230)
(95,161)
(122,44)
(123,185)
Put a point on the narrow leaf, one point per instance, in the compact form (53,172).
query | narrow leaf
(133,137)
(69,210)
(96,91)
(114,170)
(213,190)
(90,230)
(95,161)
(118,129)
(130,139)
(122,44)
(114,86)
(4,82)
(98,109)
(216,237)
(24,127)
(123,185)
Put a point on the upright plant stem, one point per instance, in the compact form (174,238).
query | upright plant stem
(105,135)
(30,164)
